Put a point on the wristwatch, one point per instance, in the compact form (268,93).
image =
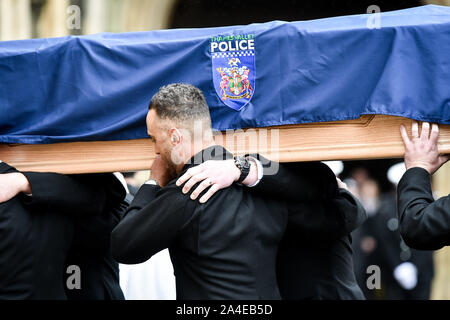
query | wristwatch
(244,166)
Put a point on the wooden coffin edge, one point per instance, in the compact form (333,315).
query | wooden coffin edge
(370,137)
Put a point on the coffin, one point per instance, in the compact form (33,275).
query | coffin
(370,137)
(323,89)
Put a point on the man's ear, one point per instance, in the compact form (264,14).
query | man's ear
(175,136)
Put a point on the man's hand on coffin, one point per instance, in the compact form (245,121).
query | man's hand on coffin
(422,150)
(11,184)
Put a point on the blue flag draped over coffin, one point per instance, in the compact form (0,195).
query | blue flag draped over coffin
(98,87)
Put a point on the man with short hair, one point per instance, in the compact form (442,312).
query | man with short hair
(223,249)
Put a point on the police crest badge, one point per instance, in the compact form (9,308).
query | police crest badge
(233,67)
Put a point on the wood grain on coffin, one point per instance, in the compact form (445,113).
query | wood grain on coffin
(81,157)
(370,137)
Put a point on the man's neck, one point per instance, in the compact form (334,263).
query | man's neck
(196,147)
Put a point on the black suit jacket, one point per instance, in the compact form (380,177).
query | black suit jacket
(424,222)
(315,256)
(91,250)
(223,249)
(94,203)
(33,250)
(63,212)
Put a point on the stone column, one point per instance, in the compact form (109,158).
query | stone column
(52,21)
(15,19)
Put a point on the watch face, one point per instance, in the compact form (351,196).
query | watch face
(238,162)
(243,162)
(244,166)
(246,163)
